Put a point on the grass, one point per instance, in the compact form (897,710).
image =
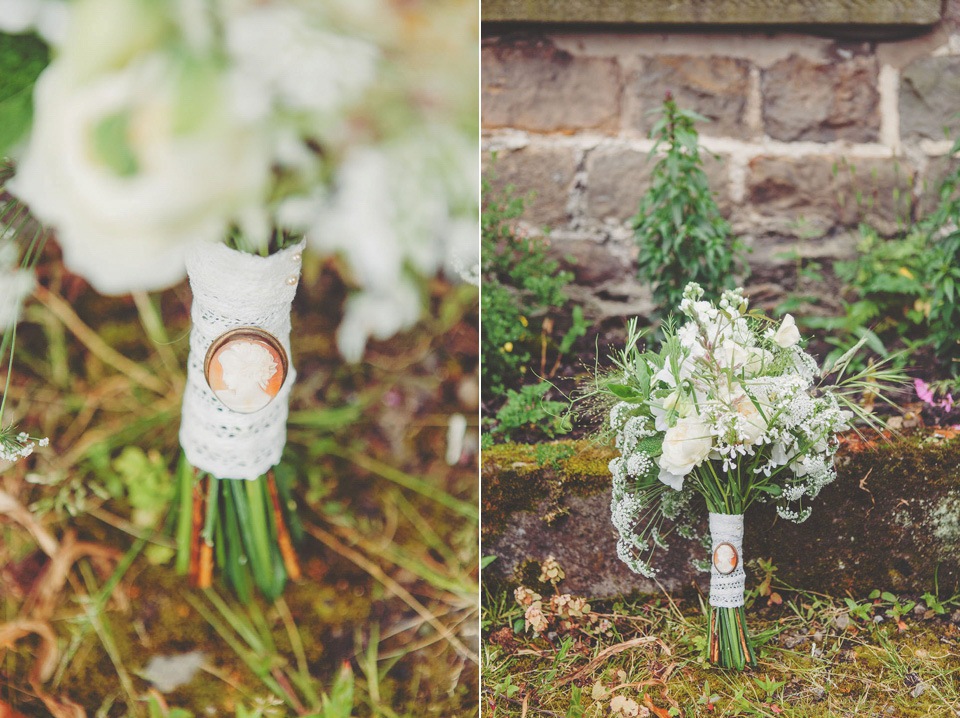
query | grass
(816,657)
(383,622)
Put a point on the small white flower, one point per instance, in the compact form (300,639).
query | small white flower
(787,334)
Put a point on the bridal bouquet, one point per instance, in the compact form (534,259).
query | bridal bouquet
(728,412)
(219,140)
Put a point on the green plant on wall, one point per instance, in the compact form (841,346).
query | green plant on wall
(943,271)
(520,286)
(679,229)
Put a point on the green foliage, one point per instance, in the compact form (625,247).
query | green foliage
(552,454)
(891,297)
(146,481)
(520,286)
(907,287)
(22,58)
(679,229)
(943,270)
(529,410)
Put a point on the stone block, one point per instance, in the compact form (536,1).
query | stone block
(715,87)
(593,263)
(812,194)
(930,98)
(529,84)
(723,12)
(546,171)
(889,521)
(876,192)
(821,101)
(617,179)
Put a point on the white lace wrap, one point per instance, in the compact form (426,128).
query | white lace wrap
(726,590)
(236,289)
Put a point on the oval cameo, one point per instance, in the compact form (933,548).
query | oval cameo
(245,368)
(725,558)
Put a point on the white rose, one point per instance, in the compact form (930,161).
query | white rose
(754,424)
(787,334)
(685,446)
(129,171)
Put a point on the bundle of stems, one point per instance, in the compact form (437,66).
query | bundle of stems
(730,645)
(246,527)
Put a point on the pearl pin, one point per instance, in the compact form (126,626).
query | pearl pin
(292,279)
(295,257)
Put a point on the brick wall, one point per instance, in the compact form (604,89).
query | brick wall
(803,126)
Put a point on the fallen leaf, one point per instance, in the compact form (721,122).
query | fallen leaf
(168,673)
(659,712)
(7,712)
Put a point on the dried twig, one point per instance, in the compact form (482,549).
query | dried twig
(611,651)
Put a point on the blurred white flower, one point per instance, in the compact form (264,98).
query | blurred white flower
(134,165)
(283,55)
(15,286)
(395,208)
(47,17)
(379,315)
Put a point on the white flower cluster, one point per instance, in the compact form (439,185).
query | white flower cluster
(17,447)
(729,399)
(187,122)
(635,490)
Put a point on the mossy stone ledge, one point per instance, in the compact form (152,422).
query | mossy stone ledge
(890,521)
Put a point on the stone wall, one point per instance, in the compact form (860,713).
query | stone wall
(891,520)
(814,134)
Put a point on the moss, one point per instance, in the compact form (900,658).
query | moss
(891,520)
(516,477)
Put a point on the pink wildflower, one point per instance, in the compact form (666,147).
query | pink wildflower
(923,391)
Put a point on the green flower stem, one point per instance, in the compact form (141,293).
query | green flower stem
(209,524)
(239,525)
(185,479)
(729,645)
(236,565)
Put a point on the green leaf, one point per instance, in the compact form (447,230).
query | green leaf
(486,561)
(622,391)
(22,59)
(772,489)
(887,596)
(340,702)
